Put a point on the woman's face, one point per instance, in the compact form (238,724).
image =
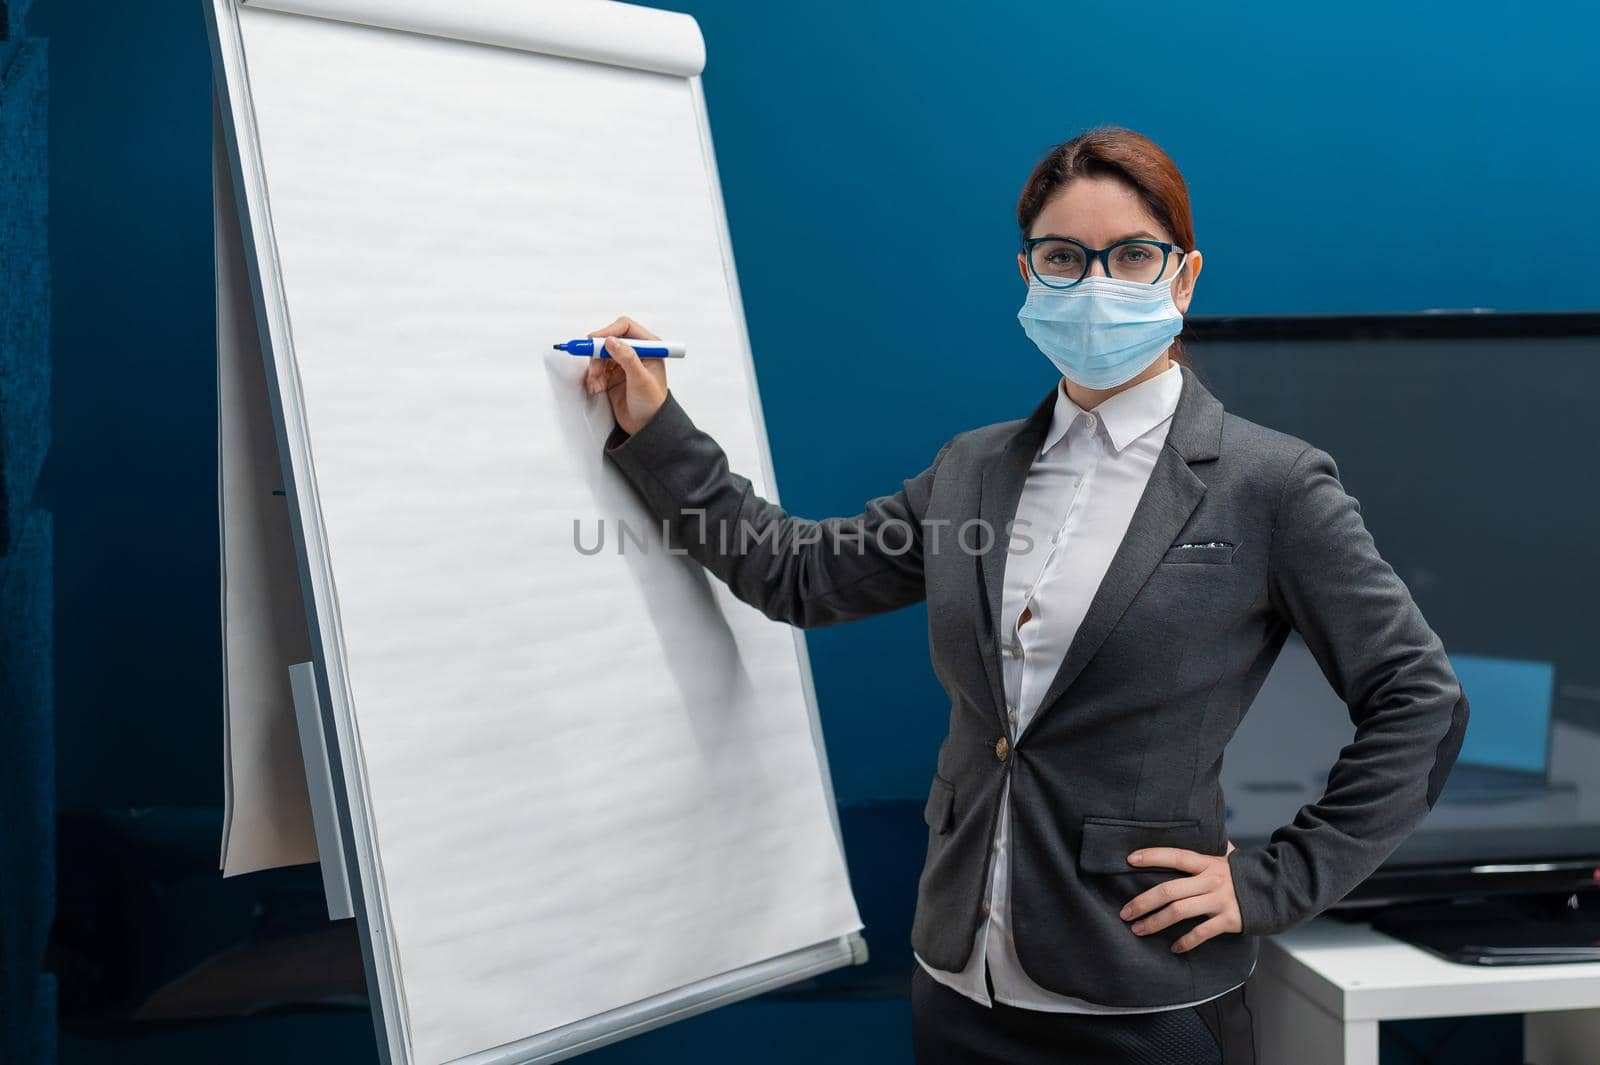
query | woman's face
(1099,211)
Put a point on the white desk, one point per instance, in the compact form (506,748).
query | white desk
(1321,989)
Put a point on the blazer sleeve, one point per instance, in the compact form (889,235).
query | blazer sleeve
(1327,579)
(804,572)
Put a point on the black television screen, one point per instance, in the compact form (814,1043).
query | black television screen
(1471,444)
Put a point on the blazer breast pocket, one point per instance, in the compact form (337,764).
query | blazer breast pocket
(1211,552)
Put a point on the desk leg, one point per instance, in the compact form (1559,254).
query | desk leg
(1561,1037)
(1293,1030)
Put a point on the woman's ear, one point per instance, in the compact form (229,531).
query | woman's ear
(1183,286)
(1022,264)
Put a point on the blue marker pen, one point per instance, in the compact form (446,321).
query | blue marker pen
(645,349)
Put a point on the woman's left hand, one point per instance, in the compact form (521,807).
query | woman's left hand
(1208,890)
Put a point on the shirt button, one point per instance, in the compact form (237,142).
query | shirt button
(1012,714)
(984,909)
(1001,747)
(1088,421)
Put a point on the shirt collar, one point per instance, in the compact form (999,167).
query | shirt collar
(1127,415)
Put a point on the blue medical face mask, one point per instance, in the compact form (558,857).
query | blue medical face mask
(1101,332)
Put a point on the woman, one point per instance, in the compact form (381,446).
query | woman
(1108,582)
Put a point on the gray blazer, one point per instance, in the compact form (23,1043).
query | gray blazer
(1241,534)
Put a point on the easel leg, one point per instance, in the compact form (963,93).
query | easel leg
(319,785)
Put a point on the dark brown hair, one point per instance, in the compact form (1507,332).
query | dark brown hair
(1130,157)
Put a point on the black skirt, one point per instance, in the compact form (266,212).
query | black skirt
(950,1029)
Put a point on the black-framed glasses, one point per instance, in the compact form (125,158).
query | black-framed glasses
(1061,262)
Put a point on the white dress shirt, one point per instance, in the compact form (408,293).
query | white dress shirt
(1075,507)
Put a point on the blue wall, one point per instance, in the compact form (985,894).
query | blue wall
(132,471)
(1353,149)
(27,779)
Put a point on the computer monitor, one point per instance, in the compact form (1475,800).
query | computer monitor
(1470,442)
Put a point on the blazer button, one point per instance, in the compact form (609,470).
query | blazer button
(1001,747)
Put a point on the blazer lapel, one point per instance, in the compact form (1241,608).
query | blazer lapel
(1000,488)
(1171,495)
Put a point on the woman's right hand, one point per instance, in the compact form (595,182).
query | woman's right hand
(636,387)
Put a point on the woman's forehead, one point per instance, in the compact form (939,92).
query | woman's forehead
(1098,211)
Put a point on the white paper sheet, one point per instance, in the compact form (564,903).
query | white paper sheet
(592,777)
(628,35)
(267,818)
